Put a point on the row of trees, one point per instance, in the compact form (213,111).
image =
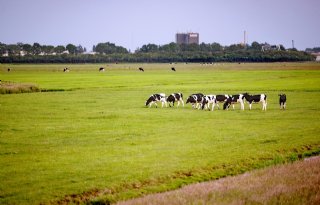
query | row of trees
(203,47)
(37,49)
(313,50)
(172,52)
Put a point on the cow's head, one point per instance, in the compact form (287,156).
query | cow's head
(283,96)
(151,98)
(191,100)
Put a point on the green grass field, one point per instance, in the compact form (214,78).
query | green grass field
(91,139)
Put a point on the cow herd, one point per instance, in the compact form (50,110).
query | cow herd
(209,102)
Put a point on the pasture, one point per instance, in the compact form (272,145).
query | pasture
(90,138)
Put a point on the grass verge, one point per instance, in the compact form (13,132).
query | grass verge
(292,183)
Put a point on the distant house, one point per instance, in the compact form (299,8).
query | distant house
(268,47)
(65,52)
(90,53)
(6,54)
(317,55)
(23,53)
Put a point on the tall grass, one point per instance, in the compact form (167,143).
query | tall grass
(99,143)
(14,88)
(296,183)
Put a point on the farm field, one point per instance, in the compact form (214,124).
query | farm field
(90,138)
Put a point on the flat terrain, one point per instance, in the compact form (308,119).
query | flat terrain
(90,137)
(296,183)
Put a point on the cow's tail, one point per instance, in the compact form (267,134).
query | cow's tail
(181,96)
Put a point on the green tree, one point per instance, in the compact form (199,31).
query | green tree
(47,49)
(256,46)
(36,49)
(71,48)
(59,49)
(215,47)
(27,48)
(79,49)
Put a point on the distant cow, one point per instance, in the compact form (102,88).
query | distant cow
(175,97)
(221,99)
(282,101)
(233,99)
(207,100)
(101,69)
(9,69)
(153,99)
(66,70)
(173,69)
(256,99)
(141,69)
(195,100)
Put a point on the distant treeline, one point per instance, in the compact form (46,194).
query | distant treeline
(110,53)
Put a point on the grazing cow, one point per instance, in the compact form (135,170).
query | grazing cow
(233,99)
(221,98)
(256,99)
(195,100)
(141,69)
(173,69)
(66,70)
(282,101)
(175,97)
(207,100)
(9,69)
(153,99)
(101,69)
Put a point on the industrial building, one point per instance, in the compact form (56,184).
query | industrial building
(187,38)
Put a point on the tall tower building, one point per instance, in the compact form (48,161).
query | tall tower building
(187,38)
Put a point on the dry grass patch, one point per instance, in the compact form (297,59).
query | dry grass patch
(11,87)
(297,183)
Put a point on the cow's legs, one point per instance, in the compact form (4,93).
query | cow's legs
(242,105)
(213,104)
(182,103)
(264,107)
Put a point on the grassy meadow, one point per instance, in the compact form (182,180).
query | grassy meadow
(89,138)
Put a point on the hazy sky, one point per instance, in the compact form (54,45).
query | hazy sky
(133,23)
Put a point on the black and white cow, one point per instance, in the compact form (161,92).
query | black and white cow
(195,100)
(153,99)
(282,101)
(207,100)
(233,99)
(141,69)
(171,99)
(256,99)
(101,69)
(221,99)
(66,70)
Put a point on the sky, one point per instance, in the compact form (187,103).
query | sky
(134,23)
